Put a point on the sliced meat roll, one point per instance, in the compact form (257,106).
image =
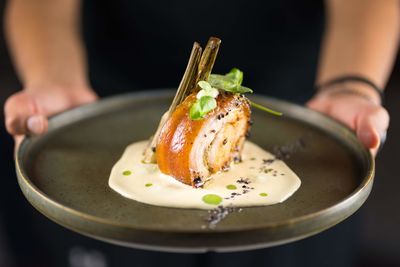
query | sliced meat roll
(192,150)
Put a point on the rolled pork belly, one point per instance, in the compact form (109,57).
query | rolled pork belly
(191,150)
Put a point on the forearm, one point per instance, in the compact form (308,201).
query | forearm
(361,38)
(45,42)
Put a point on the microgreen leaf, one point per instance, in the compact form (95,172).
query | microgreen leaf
(207,103)
(244,89)
(236,75)
(194,112)
(204,85)
(230,82)
(201,107)
(207,90)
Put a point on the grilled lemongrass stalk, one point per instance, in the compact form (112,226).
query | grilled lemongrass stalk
(208,59)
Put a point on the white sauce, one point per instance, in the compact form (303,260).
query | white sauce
(269,183)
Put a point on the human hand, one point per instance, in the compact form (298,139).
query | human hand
(27,111)
(362,114)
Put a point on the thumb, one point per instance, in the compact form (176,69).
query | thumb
(371,125)
(23,115)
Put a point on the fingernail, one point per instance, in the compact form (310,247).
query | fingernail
(369,139)
(36,124)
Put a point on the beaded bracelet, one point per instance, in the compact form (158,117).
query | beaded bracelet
(352,78)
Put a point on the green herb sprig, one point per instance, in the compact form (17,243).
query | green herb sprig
(205,101)
(230,82)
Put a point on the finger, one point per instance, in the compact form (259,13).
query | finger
(37,124)
(370,125)
(18,140)
(22,115)
(317,105)
(374,151)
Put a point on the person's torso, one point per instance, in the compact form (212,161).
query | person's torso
(136,45)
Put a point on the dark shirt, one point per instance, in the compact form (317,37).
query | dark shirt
(137,45)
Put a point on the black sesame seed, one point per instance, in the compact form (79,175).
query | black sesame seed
(268,161)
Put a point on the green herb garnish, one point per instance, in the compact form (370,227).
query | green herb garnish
(201,107)
(261,107)
(206,90)
(230,82)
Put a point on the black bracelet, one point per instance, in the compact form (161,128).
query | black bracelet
(353,78)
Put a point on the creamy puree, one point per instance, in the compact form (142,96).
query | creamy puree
(258,180)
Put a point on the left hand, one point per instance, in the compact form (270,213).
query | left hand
(367,118)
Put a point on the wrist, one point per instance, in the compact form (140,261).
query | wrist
(353,85)
(46,85)
(352,89)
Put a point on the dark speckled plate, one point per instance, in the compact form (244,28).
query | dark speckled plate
(64,175)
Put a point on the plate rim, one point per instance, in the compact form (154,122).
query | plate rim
(24,180)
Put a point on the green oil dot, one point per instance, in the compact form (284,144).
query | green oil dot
(126,173)
(263,194)
(148,185)
(231,187)
(212,199)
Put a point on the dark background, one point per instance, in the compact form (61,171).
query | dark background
(379,243)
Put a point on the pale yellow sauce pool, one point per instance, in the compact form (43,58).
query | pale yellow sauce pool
(269,183)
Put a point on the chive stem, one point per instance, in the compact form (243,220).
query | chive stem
(261,107)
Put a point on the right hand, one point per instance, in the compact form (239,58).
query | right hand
(27,111)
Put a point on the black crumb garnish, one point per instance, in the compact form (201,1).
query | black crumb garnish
(237,159)
(243,181)
(198,182)
(212,131)
(153,148)
(218,214)
(268,170)
(225,141)
(226,168)
(268,161)
(287,150)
